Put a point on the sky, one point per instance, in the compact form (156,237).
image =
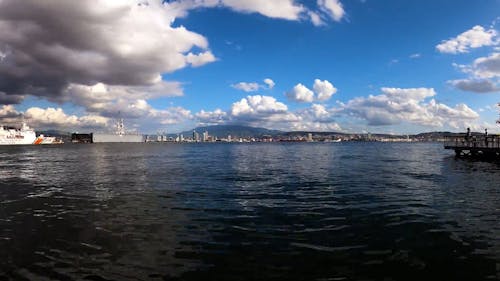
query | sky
(379,66)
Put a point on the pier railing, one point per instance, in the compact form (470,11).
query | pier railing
(474,142)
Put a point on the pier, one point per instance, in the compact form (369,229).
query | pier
(474,146)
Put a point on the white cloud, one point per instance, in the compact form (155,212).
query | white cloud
(415,56)
(487,67)
(269,82)
(211,117)
(254,86)
(257,105)
(403,95)
(333,8)
(473,38)
(170,116)
(200,59)
(396,106)
(281,9)
(314,126)
(300,93)
(266,111)
(111,101)
(246,86)
(484,75)
(315,18)
(323,89)
(9,115)
(57,118)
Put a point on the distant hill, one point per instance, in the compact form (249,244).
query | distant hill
(222,131)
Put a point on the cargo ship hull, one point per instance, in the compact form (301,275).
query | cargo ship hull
(102,138)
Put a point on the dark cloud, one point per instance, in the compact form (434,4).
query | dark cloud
(477,86)
(45,46)
(10,99)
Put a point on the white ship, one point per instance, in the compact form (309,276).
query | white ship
(24,135)
(119,136)
(50,140)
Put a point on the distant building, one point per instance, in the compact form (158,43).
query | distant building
(310,137)
(81,138)
(205,136)
(196,136)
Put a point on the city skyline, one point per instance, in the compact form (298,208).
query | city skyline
(325,65)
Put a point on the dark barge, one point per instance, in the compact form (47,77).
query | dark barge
(483,146)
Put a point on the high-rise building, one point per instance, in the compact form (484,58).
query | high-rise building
(205,136)
(196,136)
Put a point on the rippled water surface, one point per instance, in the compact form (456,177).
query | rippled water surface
(310,211)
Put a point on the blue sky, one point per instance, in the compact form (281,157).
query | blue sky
(378,66)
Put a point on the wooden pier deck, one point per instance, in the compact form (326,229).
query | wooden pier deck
(475,146)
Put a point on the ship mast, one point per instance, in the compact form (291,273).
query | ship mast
(120,128)
(498,121)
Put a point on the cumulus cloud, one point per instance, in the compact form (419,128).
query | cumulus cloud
(50,118)
(200,59)
(300,93)
(396,105)
(169,116)
(393,106)
(57,118)
(212,117)
(265,111)
(333,8)
(115,43)
(484,75)
(475,85)
(487,67)
(323,89)
(9,115)
(114,101)
(269,82)
(475,37)
(257,106)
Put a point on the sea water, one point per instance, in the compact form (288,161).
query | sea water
(294,211)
